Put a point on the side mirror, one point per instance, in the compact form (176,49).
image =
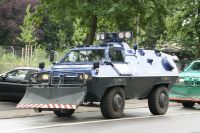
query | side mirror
(4,76)
(95,65)
(51,55)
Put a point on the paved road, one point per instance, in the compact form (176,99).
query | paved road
(177,120)
(6,105)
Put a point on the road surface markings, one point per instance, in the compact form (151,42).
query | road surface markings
(91,122)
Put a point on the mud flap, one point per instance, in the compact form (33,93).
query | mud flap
(53,97)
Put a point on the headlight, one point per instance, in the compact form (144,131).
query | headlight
(102,36)
(180,80)
(85,76)
(98,37)
(128,35)
(42,77)
(45,77)
(121,35)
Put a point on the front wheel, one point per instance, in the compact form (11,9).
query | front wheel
(113,102)
(158,100)
(64,112)
(188,104)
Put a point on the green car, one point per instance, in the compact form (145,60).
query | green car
(187,88)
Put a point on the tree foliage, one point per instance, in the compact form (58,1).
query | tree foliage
(64,23)
(107,15)
(12,13)
(184,25)
(28,29)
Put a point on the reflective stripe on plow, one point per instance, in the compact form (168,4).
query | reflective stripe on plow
(45,106)
(62,106)
(40,105)
(34,106)
(19,105)
(23,106)
(73,106)
(51,106)
(30,105)
(68,106)
(57,106)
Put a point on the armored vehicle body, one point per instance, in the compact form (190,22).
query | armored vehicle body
(109,73)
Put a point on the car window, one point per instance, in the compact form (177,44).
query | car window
(195,67)
(117,56)
(17,74)
(89,55)
(29,73)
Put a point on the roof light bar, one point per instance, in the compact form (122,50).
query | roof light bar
(114,36)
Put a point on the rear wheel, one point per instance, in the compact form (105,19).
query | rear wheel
(188,104)
(64,112)
(158,100)
(112,103)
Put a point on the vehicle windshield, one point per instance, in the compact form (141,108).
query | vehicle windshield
(89,55)
(195,67)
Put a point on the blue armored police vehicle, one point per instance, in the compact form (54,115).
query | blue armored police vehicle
(110,73)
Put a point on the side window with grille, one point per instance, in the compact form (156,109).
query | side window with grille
(116,55)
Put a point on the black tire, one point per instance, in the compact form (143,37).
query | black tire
(113,102)
(188,104)
(64,112)
(158,100)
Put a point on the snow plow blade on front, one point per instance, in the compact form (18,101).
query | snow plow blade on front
(50,91)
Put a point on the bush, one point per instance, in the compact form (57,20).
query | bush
(9,61)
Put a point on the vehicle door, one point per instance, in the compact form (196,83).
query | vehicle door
(116,56)
(13,82)
(194,81)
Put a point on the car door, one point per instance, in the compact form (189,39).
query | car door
(13,85)
(194,81)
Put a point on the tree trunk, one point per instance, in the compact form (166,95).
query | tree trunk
(92,30)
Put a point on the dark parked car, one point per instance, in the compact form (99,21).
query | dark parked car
(13,83)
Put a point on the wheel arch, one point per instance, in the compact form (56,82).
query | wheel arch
(113,86)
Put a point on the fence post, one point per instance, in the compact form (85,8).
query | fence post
(13,50)
(23,55)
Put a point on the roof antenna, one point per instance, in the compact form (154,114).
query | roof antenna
(135,47)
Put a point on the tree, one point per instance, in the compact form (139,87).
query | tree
(184,25)
(57,33)
(28,29)
(12,13)
(149,16)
